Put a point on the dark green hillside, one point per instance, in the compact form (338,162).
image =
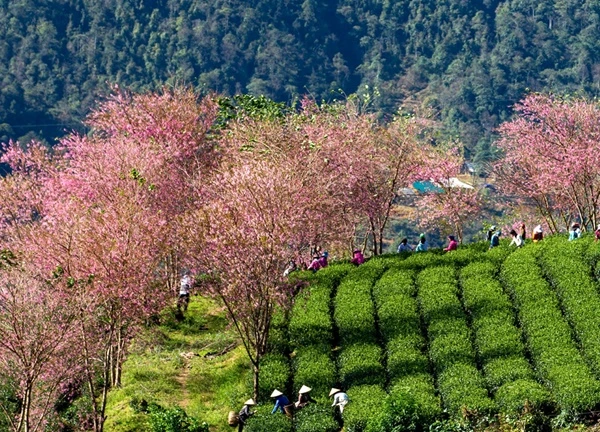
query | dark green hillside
(468,60)
(507,339)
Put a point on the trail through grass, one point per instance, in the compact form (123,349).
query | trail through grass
(196,364)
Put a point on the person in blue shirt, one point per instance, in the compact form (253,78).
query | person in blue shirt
(574,232)
(495,239)
(280,401)
(422,245)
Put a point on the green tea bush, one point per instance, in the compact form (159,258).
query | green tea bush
(396,308)
(173,420)
(310,319)
(571,278)
(366,410)
(497,339)
(360,364)
(354,311)
(412,403)
(515,396)
(460,383)
(548,335)
(274,374)
(264,421)
(278,334)
(313,366)
(311,335)
(316,418)
(403,358)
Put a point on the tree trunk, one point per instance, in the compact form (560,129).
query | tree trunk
(256,371)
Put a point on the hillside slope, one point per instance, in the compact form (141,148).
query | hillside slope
(450,340)
(468,60)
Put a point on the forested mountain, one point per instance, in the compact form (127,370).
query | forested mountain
(469,60)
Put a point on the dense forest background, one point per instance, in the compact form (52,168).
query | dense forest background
(468,61)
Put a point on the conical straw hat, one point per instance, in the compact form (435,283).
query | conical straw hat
(304,389)
(276,393)
(334,391)
(249,402)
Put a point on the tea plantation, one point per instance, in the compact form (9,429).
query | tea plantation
(443,341)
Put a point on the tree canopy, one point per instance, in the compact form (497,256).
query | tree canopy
(469,61)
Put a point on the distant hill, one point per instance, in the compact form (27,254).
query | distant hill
(468,60)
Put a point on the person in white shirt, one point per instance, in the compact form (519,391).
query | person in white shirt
(340,399)
(516,239)
(404,246)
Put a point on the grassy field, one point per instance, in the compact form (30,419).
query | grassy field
(196,364)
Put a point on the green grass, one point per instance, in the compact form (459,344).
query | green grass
(205,387)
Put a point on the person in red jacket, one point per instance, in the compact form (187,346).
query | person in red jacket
(452,245)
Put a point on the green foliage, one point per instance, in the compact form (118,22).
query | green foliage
(360,364)
(274,374)
(366,409)
(571,278)
(264,421)
(354,311)
(412,404)
(459,382)
(173,420)
(518,395)
(315,418)
(310,320)
(497,339)
(548,335)
(314,367)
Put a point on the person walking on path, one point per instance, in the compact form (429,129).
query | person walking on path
(495,239)
(358,258)
(490,233)
(340,399)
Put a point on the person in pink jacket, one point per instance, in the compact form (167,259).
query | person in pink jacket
(358,258)
(315,264)
(453,245)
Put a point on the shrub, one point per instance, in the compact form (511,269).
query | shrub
(310,320)
(497,339)
(548,334)
(459,382)
(274,373)
(365,410)
(404,359)
(316,418)
(412,404)
(515,396)
(360,364)
(354,312)
(314,367)
(571,278)
(264,421)
(173,420)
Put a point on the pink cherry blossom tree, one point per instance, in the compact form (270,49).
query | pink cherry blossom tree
(105,215)
(449,207)
(552,159)
(37,344)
